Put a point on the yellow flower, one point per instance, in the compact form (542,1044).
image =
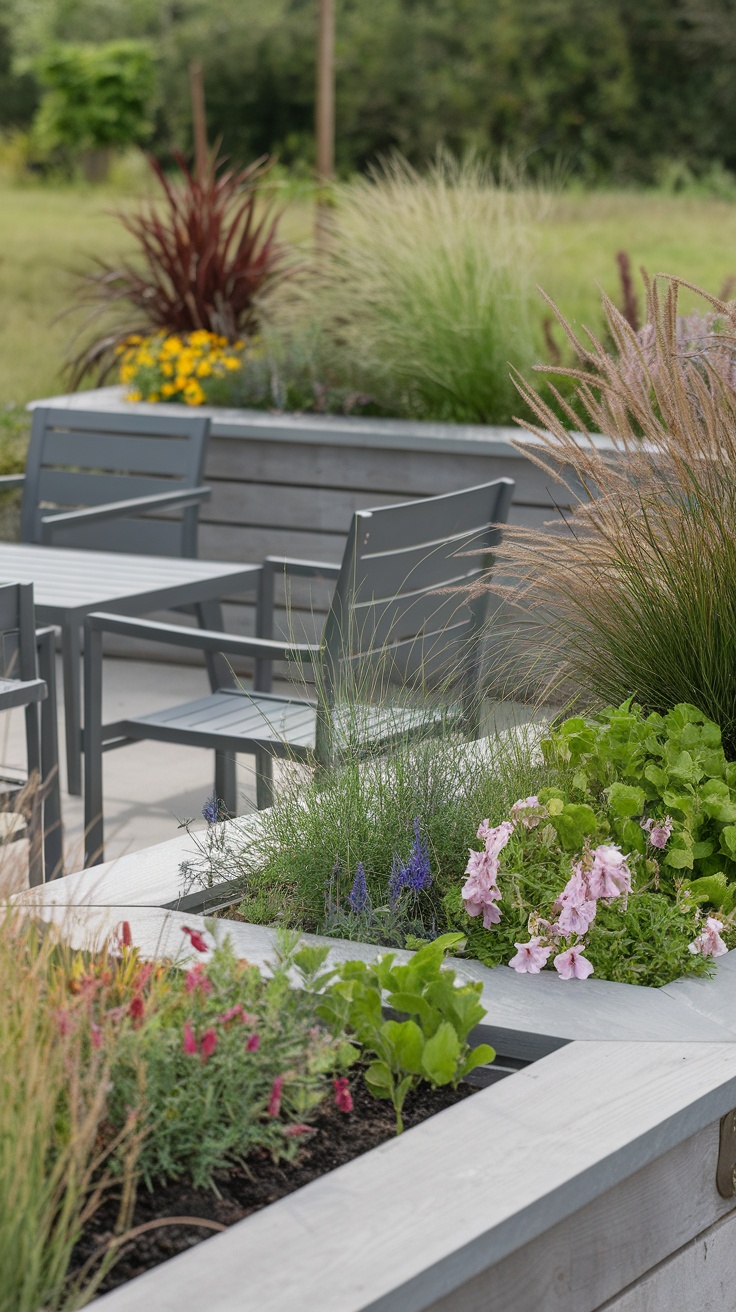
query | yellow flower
(134,396)
(204,369)
(127,373)
(231,363)
(171,346)
(239,345)
(152,396)
(168,389)
(167,369)
(193,394)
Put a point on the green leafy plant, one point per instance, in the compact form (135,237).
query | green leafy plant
(431,1043)
(654,766)
(228,1060)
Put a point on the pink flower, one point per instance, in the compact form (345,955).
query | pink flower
(126,934)
(207,1044)
(196,978)
(190,1043)
(528,804)
(343,1096)
(530,957)
(231,1013)
(195,938)
(577,908)
(274,1101)
(64,1023)
(572,964)
(495,839)
(295,1131)
(610,875)
(709,943)
(659,834)
(254,1043)
(96,1036)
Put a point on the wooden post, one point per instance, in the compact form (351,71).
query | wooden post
(199,122)
(325,117)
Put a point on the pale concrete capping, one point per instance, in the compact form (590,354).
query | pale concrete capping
(427,1220)
(528,1015)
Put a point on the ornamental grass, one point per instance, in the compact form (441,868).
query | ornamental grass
(639,597)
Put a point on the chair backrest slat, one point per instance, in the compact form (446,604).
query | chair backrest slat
(401,603)
(78,459)
(18,657)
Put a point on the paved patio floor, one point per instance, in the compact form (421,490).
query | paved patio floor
(150,788)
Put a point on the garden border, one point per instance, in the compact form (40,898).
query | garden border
(584,1180)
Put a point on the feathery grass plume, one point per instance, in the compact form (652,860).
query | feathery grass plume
(639,597)
(54,1142)
(427,283)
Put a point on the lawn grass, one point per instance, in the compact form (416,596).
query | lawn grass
(49,231)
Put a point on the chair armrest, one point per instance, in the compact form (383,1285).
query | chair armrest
(52,524)
(11,480)
(202,639)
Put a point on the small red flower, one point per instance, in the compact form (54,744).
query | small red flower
(190,1043)
(254,1043)
(274,1102)
(135,1010)
(126,934)
(207,1044)
(295,1131)
(230,1014)
(96,1036)
(195,938)
(343,1096)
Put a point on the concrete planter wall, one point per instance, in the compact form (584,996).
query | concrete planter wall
(585,1181)
(289,484)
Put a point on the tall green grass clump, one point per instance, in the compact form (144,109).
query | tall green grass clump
(54,1086)
(427,284)
(298,865)
(640,599)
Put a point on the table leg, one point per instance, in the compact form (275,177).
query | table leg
(209,616)
(71,655)
(53,835)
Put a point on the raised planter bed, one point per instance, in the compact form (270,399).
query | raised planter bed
(584,1181)
(289,484)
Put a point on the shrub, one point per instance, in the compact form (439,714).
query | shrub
(206,253)
(426,288)
(639,598)
(97,96)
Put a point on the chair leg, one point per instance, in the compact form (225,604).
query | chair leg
(264,780)
(226,790)
(53,834)
(70,651)
(94,835)
(34,817)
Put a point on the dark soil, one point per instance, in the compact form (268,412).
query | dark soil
(338,1138)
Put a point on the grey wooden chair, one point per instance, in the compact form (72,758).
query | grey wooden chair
(95,480)
(28,679)
(400,617)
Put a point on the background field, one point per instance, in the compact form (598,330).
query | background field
(47,234)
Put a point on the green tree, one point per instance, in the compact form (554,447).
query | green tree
(97,97)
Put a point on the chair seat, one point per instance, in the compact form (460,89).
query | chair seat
(237,720)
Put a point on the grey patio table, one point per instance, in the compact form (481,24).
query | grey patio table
(69,583)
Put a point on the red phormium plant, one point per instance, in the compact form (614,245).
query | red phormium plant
(206,250)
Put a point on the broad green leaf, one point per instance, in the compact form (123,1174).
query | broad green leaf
(625,800)
(406,1042)
(574,824)
(440,1056)
(728,840)
(710,888)
(660,778)
(480,1056)
(379,1079)
(412,1003)
(680,858)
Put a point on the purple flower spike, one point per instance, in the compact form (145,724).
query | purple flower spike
(211,810)
(358,897)
(414,874)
